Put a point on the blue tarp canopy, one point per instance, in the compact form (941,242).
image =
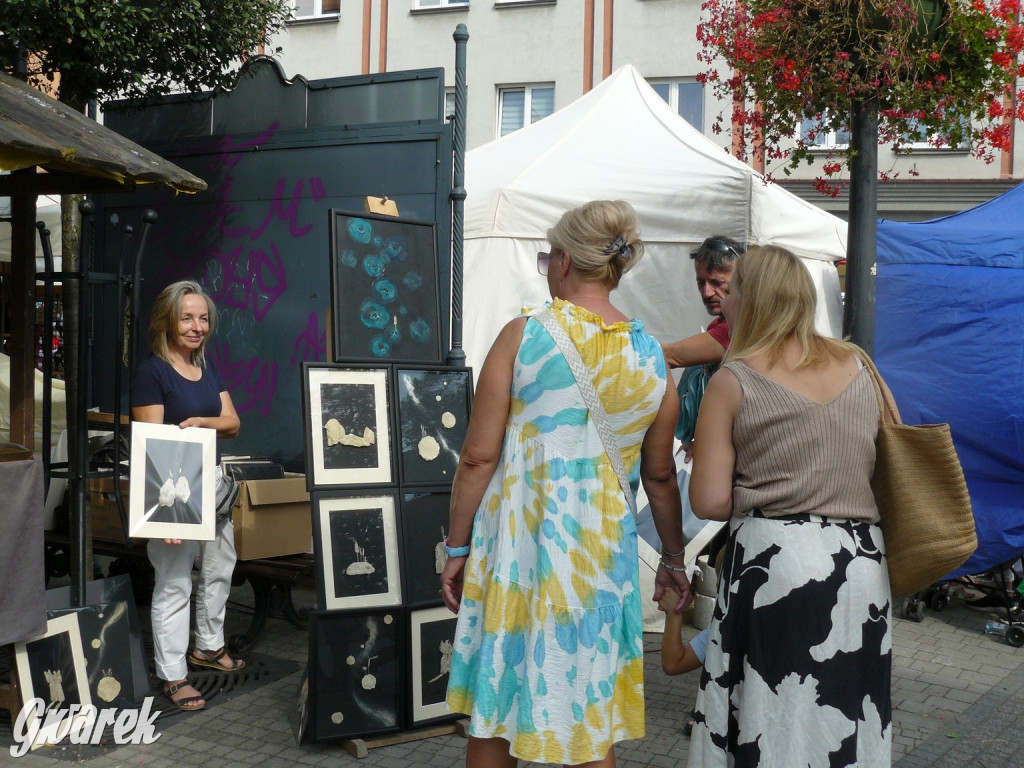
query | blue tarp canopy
(950,344)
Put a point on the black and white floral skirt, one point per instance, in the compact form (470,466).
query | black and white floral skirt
(798,666)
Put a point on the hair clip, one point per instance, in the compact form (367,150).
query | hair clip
(618,247)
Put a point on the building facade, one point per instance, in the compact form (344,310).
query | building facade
(527,58)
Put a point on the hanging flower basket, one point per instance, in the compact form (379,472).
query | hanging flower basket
(938,68)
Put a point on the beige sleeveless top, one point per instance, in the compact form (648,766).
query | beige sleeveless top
(794,454)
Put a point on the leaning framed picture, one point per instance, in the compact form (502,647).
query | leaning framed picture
(355,539)
(431,643)
(385,300)
(52,668)
(433,414)
(424,528)
(171,485)
(356,686)
(347,423)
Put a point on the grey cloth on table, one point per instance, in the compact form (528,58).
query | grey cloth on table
(22,559)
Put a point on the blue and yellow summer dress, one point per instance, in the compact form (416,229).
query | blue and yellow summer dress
(549,644)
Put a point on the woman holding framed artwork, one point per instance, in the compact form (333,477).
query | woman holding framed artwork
(177,384)
(571,406)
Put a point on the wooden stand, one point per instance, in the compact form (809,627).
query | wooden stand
(361,747)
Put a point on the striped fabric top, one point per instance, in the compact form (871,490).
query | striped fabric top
(794,454)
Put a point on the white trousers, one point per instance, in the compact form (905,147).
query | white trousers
(215,561)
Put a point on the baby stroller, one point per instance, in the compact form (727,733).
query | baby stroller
(1002,592)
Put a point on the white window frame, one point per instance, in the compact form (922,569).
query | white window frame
(825,140)
(673,94)
(527,89)
(318,11)
(431,5)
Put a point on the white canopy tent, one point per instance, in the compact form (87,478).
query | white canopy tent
(47,211)
(622,141)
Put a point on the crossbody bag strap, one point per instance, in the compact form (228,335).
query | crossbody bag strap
(591,399)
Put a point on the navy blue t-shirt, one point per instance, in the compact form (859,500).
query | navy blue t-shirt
(157,383)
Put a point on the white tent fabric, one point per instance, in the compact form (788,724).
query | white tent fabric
(621,141)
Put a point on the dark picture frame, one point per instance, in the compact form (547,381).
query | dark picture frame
(171,486)
(433,408)
(385,291)
(431,643)
(356,543)
(52,667)
(356,685)
(347,418)
(425,515)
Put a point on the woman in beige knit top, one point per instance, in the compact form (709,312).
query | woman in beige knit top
(798,665)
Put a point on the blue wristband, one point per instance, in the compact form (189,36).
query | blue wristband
(455,551)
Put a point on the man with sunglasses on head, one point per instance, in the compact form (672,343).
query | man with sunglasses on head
(713,262)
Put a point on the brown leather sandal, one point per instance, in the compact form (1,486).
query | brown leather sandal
(211,660)
(185,703)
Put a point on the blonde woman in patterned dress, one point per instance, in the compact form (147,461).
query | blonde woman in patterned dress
(542,568)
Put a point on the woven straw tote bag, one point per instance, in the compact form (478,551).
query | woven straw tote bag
(922,498)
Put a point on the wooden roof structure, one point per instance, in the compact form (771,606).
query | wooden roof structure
(36,130)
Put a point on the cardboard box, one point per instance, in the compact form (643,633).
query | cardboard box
(102,505)
(272,518)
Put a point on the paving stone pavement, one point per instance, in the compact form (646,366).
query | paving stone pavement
(957,693)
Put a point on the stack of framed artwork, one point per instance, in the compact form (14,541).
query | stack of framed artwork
(384,425)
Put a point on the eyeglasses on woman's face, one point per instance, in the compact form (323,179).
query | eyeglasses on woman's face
(543,262)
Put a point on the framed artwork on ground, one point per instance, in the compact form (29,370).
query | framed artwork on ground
(51,668)
(384,289)
(433,414)
(424,528)
(171,486)
(348,428)
(355,539)
(431,641)
(111,633)
(356,687)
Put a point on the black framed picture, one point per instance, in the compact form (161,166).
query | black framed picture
(424,528)
(111,635)
(433,414)
(356,686)
(355,538)
(348,426)
(431,642)
(384,289)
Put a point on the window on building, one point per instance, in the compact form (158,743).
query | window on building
(307,9)
(920,139)
(686,97)
(523,105)
(823,139)
(449,103)
(416,4)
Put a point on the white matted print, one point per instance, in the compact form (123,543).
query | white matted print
(431,643)
(173,490)
(52,668)
(349,434)
(359,555)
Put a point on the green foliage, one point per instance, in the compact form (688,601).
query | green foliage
(136,48)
